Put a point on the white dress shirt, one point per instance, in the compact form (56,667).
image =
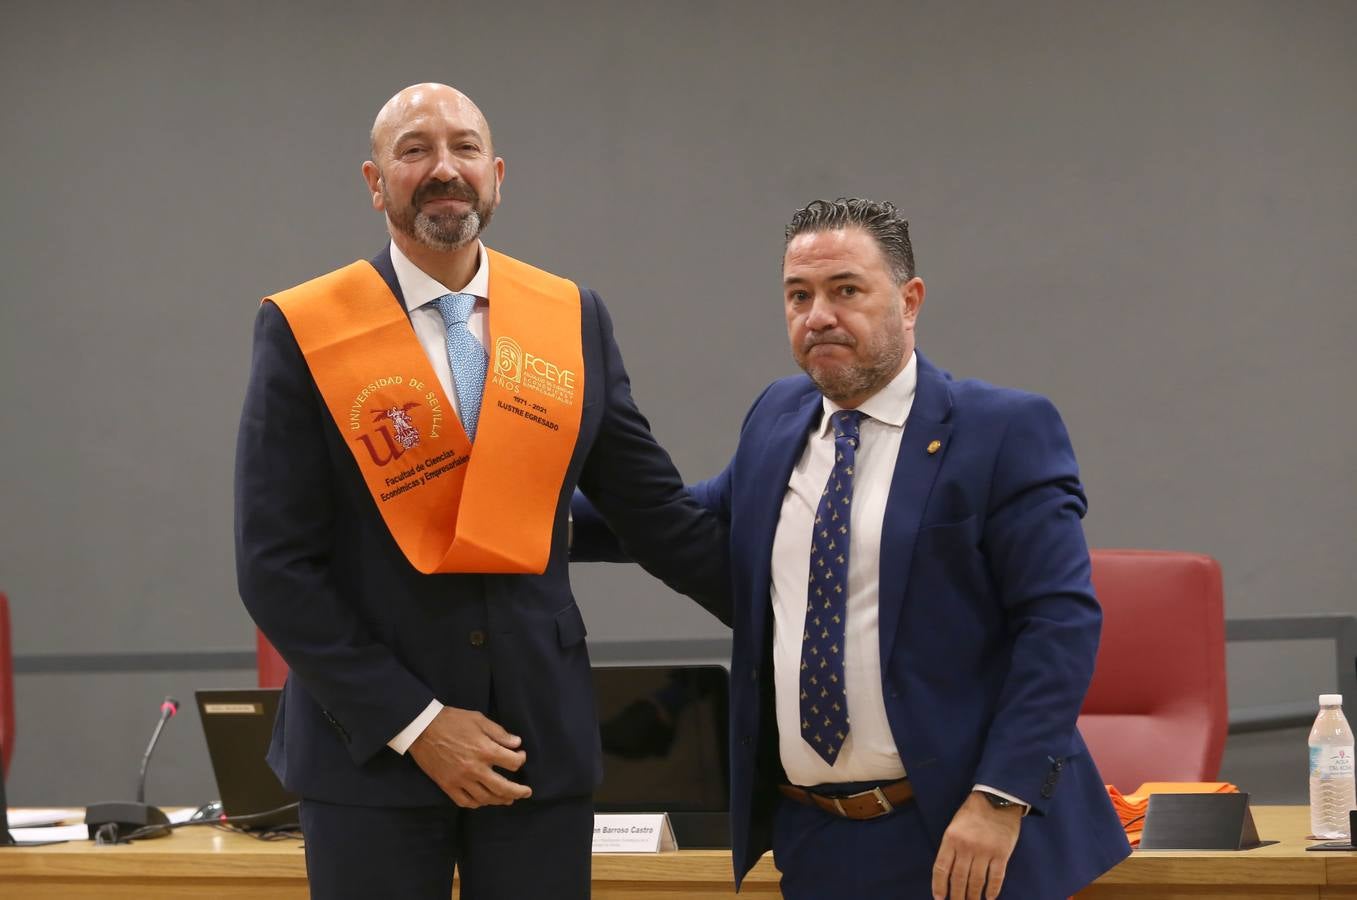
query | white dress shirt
(420,290)
(869,753)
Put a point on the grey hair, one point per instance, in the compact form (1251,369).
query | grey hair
(879,219)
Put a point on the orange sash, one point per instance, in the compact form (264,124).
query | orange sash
(449,509)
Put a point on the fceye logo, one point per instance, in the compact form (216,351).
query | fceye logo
(509,362)
(516,369)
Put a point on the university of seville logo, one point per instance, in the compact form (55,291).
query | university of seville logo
(405,438)
(407,435)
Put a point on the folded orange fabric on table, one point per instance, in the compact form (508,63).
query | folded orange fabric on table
(1131,807)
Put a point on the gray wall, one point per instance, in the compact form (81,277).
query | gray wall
(1144,210)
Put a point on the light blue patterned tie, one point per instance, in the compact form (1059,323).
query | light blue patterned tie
(824,701)
(466,356)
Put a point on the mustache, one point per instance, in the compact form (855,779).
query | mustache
(829,337)
(449,190)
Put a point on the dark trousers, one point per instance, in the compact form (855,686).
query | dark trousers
(529,849)
(824,857)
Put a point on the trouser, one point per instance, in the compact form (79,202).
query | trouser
(825,857)
(529,849)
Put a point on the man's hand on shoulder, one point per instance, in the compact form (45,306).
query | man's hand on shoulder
(975,850)
(459,750)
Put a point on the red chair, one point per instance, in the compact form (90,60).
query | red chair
(272,669)
(1157,710)
(6,687)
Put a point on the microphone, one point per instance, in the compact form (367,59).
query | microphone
(167,711)
(136,816)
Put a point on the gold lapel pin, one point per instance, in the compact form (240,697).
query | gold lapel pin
(934,447)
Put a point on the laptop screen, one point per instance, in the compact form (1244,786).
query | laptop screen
(238,725)
(665,749)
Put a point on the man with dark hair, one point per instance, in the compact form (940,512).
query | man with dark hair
(915,627)
(413,429)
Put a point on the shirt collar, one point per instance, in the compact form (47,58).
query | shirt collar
(890,405)
(419,288)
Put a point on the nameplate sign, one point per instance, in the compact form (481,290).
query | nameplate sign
(633,833)
(1199,822)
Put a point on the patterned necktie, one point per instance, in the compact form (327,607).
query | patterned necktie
(824,705)
(466,356)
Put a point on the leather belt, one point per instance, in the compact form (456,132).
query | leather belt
(878,801)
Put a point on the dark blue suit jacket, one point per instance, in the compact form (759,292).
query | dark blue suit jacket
(370,641)
(988,623)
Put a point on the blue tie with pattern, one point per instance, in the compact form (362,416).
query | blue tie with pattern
(466,357)
(824,705)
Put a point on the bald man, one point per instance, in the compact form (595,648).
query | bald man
(413,430)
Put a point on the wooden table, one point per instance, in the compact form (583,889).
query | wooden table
(205,863)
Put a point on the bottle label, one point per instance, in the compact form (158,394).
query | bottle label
(1330,762)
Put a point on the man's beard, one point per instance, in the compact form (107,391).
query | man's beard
(440,231)
(844,382)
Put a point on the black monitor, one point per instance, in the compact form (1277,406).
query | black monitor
(665,732)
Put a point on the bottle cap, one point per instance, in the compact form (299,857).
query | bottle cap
(1330,699)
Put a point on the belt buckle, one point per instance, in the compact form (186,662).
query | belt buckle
(880,796)
(886,807)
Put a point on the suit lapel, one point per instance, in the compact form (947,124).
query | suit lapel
(916,468)
(382,263)
(785,442)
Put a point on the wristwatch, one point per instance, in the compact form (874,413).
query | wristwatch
(996,801)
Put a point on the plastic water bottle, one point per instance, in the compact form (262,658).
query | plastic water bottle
(1331,771)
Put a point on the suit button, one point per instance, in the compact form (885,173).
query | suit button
(477,638)
(746,741)
(754,674)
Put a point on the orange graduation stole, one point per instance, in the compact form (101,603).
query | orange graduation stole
(451,509)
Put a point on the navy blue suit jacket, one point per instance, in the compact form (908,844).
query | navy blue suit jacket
(371,641)
(988,623)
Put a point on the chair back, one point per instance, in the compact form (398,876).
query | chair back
(1156,709)
(272,669)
